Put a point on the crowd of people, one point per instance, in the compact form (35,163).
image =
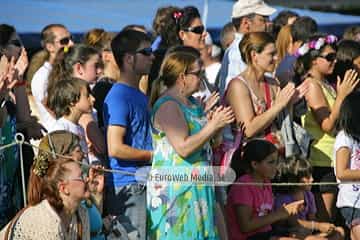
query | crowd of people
(275,105)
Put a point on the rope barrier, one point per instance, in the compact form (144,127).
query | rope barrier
(20,140)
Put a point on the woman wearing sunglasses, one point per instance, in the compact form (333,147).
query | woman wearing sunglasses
(179,27)
(316,61)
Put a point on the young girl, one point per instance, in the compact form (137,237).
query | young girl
(250,207)
(83,62)
(316,61)
(69,100)
(346,151)
(304,224)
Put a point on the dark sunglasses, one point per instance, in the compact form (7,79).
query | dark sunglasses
(145,51)
(65,40)
(16,42)
(196,30)
(330,57)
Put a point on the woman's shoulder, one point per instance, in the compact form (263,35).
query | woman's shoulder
(39,222)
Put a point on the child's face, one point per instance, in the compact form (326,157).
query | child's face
(86,101)
(91,69)
(307,180)
(267,167)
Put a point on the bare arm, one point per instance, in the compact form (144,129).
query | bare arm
(175,127)
(93,133)
(343,172)
(324,114)
(240,100)
(248,223)
(118,149)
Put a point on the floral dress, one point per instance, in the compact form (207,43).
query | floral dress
(180,209)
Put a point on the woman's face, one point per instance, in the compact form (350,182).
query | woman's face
(91,69)
(266,59)
(325,63)
(193,78)
(76,182)
(194,36)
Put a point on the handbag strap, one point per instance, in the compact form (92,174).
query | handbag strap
(268,104)
(9,229)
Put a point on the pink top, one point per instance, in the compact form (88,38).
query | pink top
(260,199)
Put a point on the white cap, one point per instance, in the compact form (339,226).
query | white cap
(245,7)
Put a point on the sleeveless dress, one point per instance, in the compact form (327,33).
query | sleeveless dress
(180,210)
(260,106)
(323,145)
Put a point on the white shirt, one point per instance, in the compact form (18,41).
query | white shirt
(211,72)
(349,194)
(232,64)
(64,124)
(39,86)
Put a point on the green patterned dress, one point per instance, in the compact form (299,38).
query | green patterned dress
(181,210)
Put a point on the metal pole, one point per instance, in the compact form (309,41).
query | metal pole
(19,138)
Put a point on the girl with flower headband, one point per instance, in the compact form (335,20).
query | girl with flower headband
(316,60)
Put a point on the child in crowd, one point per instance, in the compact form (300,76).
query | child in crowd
(250,207)
(69,100)
(83,62)
(346,151)
(304,224)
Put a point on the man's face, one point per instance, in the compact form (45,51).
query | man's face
(258,23)
(62,39)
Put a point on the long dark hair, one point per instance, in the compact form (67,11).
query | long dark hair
(255,150)
(349,118)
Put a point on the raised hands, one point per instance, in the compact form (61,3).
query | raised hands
(22,63)
(348,84)
(221,116)
(285,95)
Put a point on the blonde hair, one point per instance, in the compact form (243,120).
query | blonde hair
(283,42)
(99,39)
(178,60)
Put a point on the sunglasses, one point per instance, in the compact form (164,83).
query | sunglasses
(65,40)
(16,42)
(145,51)
(196,30)
(330,57)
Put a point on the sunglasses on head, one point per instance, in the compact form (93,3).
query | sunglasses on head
(145,51)
(196,30)
(65,40)
(330,57)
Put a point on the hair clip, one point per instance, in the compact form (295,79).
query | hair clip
(177,15)
(41,164)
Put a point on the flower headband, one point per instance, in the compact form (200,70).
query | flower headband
(315,44)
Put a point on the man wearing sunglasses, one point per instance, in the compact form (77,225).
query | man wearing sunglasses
(127,124)
(247,16)
(53,38)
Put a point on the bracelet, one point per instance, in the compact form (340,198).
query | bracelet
(312,226)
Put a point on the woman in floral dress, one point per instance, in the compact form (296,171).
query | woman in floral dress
(182,208)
